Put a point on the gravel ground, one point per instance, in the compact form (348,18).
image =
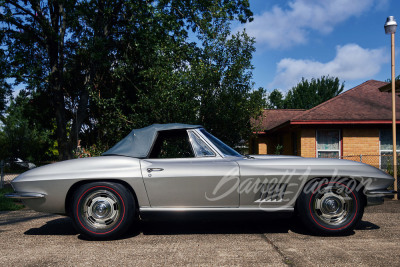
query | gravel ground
(29,238)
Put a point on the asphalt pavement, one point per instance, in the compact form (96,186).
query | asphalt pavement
(29,238)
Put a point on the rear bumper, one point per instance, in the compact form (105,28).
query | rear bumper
(376,197)
(24,195)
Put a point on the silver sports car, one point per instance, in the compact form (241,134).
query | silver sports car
(178,167)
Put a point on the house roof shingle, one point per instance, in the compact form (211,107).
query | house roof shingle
(272,118)
(362,103)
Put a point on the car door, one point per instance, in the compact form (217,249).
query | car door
(182,171)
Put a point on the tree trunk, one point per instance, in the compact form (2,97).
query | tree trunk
(79,117)
(64,147)
(55,48)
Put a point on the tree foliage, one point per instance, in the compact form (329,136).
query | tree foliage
(96,69)
(223,81)
(23,136)
(276,99)
(397,78)
(5,87)
(307,94)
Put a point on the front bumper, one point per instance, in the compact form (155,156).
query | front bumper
(376,197)
(24,195)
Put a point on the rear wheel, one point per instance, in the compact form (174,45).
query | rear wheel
(103,210)
(330,207)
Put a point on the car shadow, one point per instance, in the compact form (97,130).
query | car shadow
(20,219)
(61,226)
(183,226)
(364,225)
(188,225)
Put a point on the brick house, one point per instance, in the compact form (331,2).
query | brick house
(355,125)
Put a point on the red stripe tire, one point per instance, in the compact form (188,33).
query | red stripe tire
(330,207)
(103,210)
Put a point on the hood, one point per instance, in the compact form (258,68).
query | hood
(273,156)
(315,167)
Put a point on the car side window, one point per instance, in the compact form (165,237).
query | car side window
(200,148)
(172,144)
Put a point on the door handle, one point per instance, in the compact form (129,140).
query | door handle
(149,170)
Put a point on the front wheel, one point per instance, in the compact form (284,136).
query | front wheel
(103,210)
(330,207)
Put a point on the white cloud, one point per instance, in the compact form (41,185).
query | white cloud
(382,5)
(350,63)
(286,27)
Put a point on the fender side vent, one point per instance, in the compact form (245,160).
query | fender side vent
(272,192)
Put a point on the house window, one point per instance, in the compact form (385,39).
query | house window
(386,147)
(328,143)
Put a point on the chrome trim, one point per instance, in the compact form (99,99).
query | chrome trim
(208,142)
(380,192)
(149,170)
(332,205)
(101,209)
(150,209)
(375,197)
(24,195)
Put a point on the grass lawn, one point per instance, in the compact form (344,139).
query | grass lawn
(7,204)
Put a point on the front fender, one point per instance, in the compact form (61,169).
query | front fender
(54,181)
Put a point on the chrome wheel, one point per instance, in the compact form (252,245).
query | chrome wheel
(333,205)
(330,207)
(101,209)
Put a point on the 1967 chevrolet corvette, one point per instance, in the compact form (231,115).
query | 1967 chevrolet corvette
(178,167)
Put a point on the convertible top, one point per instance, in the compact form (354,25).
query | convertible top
(137,144)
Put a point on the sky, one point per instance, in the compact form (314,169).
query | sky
(314,38)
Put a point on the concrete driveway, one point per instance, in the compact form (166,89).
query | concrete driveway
(38,239)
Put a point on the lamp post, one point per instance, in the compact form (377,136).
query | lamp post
(390,28)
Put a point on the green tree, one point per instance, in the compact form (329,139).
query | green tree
(5,87)
(222,77)
(158,76)
(397,78)
(308,94)
(105,67)
(22,137)
(35,37)
(275,99)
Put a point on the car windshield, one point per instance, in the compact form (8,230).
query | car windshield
(226,150)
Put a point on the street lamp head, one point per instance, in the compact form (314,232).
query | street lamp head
(390,25)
